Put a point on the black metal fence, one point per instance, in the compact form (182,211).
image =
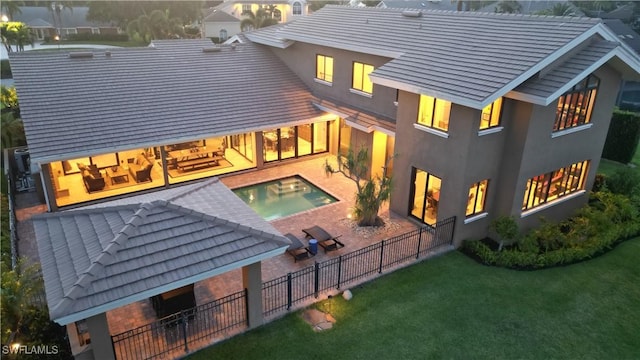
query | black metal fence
(282,293)
(172,336)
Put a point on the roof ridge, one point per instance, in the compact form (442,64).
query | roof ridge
(104,258)
(191,190)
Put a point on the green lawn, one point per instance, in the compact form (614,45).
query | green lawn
(99,42)
(451,307)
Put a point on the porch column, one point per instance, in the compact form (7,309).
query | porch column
(252,281)
(100,337)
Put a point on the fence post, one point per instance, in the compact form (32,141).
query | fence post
(288,291)
(339,270)
(246,306)
(419,241)
(316,285)
(381,256)
(183,321)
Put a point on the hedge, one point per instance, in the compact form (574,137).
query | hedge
(98,37)
(623,136)
(5,69)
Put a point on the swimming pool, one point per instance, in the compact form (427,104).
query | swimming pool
(282,197)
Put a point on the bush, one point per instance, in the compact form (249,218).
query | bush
(607,219)
(625,181)
(623,136)
(98,37)
(5,69)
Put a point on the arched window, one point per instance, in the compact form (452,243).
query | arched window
(297,8)
(223,35)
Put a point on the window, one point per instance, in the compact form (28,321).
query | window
(223,34)
(361,79)
(556,184)
(277,14)
(295,141)
(477,196)
(491,115)
(324,68)
(434,113)
(246,9)
(297,8)
(575,106)
(426,196)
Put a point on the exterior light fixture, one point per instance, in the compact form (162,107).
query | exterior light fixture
(4,18)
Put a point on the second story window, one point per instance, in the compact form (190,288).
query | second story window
(297,8)
(477,196)
(491,115)
(361,81)
(324,68)
(547,187)
(575,106)
(246,9)
(434,113)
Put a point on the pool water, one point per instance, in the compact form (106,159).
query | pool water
(283,197)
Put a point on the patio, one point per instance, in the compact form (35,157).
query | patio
(333,217)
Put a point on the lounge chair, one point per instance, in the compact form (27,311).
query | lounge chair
(297,249)
(325,240)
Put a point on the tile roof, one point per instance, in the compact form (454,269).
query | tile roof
(558,80)
(358,118)
(98,259)
(141,97)
(465,57)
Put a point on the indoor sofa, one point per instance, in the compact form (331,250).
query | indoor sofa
(140,169)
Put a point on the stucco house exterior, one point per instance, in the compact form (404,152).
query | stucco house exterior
(484,114)
(219,25)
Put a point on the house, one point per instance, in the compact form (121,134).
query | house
(487,128)
(219,25)
(483,114)
(72,21)
(282,10)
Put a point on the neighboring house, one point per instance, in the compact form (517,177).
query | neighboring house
(73,21)
(425,4)
(629,94)
(285,10)
(219,25)
(487,114)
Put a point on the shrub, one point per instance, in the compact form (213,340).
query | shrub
(607,219)
(599,182)
(5,69)
(623,136)
(625,181)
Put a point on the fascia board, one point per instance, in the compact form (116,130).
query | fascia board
(342,45)
(85,314)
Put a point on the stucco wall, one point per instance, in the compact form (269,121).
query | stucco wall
(301,59)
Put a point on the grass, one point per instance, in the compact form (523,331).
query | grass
(99,42)
(453,307)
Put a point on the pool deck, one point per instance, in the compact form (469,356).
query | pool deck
(332,217)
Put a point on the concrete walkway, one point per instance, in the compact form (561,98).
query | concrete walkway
(5,55)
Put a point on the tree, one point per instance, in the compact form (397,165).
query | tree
(506,227)
(508,6)
(257,20)
(56,8)
(15,33)
(20,286)
(11,125)
(371,192)
(156,25)
(562,9)
(123,12)
(11,7)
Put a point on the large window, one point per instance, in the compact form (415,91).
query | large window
(361,81)
(575,106)
(246,9)
(426,196)
(434,113)
(491,115)
(324,68)
(477,197)
(297,8)
(547,187)
(295,141)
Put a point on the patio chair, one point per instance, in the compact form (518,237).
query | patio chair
(327,241)
(297,249)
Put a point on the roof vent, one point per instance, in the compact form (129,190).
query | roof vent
(211,49)
(81,55)
(107,53)
(412,13)
(233,46)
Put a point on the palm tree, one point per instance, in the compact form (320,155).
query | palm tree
(260,19)
(15,33)
(11,7)
(156,25)
(56,8)
(371,192)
